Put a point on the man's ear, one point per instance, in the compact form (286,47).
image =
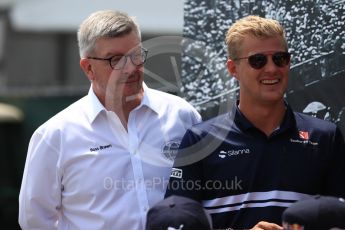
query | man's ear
(85,65)
(230,64)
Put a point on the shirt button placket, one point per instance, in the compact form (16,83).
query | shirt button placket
(137,166)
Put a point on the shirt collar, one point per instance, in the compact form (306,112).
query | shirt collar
(150,99)
(244,124)
(95,106)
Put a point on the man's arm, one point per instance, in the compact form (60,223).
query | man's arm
(40,194)
(186,175)
(335,185)
(263,225)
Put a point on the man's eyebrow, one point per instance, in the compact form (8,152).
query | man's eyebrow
(117,53)
(112,54)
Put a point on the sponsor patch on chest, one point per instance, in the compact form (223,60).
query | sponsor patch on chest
(177,173)
(233,152)
(170,149)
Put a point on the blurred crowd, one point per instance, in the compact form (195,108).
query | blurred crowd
(313,27)
(314,30)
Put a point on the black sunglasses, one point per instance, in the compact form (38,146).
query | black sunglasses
(259,60)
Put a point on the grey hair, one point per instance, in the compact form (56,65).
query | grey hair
(104,24)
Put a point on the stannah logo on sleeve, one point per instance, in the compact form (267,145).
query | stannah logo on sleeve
(101,147)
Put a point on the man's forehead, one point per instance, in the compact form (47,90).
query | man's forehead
(117,45)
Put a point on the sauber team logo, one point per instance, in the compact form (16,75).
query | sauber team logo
(304,138)
(303,135)
(170,149)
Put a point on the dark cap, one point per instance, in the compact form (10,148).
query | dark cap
(317,213)
(177,212)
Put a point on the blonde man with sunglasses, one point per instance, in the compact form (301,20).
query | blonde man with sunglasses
(248,165)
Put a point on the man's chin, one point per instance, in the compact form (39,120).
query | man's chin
(132,93)
(133,97)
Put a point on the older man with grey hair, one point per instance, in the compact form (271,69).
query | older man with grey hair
(102,162)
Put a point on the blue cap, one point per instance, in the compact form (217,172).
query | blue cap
(177,212)
(317,213)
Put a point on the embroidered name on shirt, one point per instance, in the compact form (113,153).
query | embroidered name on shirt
(101,147)
(304,142)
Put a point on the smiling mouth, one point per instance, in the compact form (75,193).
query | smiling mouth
(270,82)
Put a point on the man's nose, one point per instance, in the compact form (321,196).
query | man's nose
(270,65)
(129,66)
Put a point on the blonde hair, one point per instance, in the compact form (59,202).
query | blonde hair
(102,24)
(255,26)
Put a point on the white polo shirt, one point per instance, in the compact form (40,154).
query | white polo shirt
(85,171)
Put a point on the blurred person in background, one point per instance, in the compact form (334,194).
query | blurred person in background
(101,163)
(248,165)
(179,213)
(316,213)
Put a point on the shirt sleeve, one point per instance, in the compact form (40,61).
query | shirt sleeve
(336,173)
(186,176)
(197,117)
(40,193)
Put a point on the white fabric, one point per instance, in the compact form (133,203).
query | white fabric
(253,200)
(85,171)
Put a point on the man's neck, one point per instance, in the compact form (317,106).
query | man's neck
(266,117)
(124,106)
